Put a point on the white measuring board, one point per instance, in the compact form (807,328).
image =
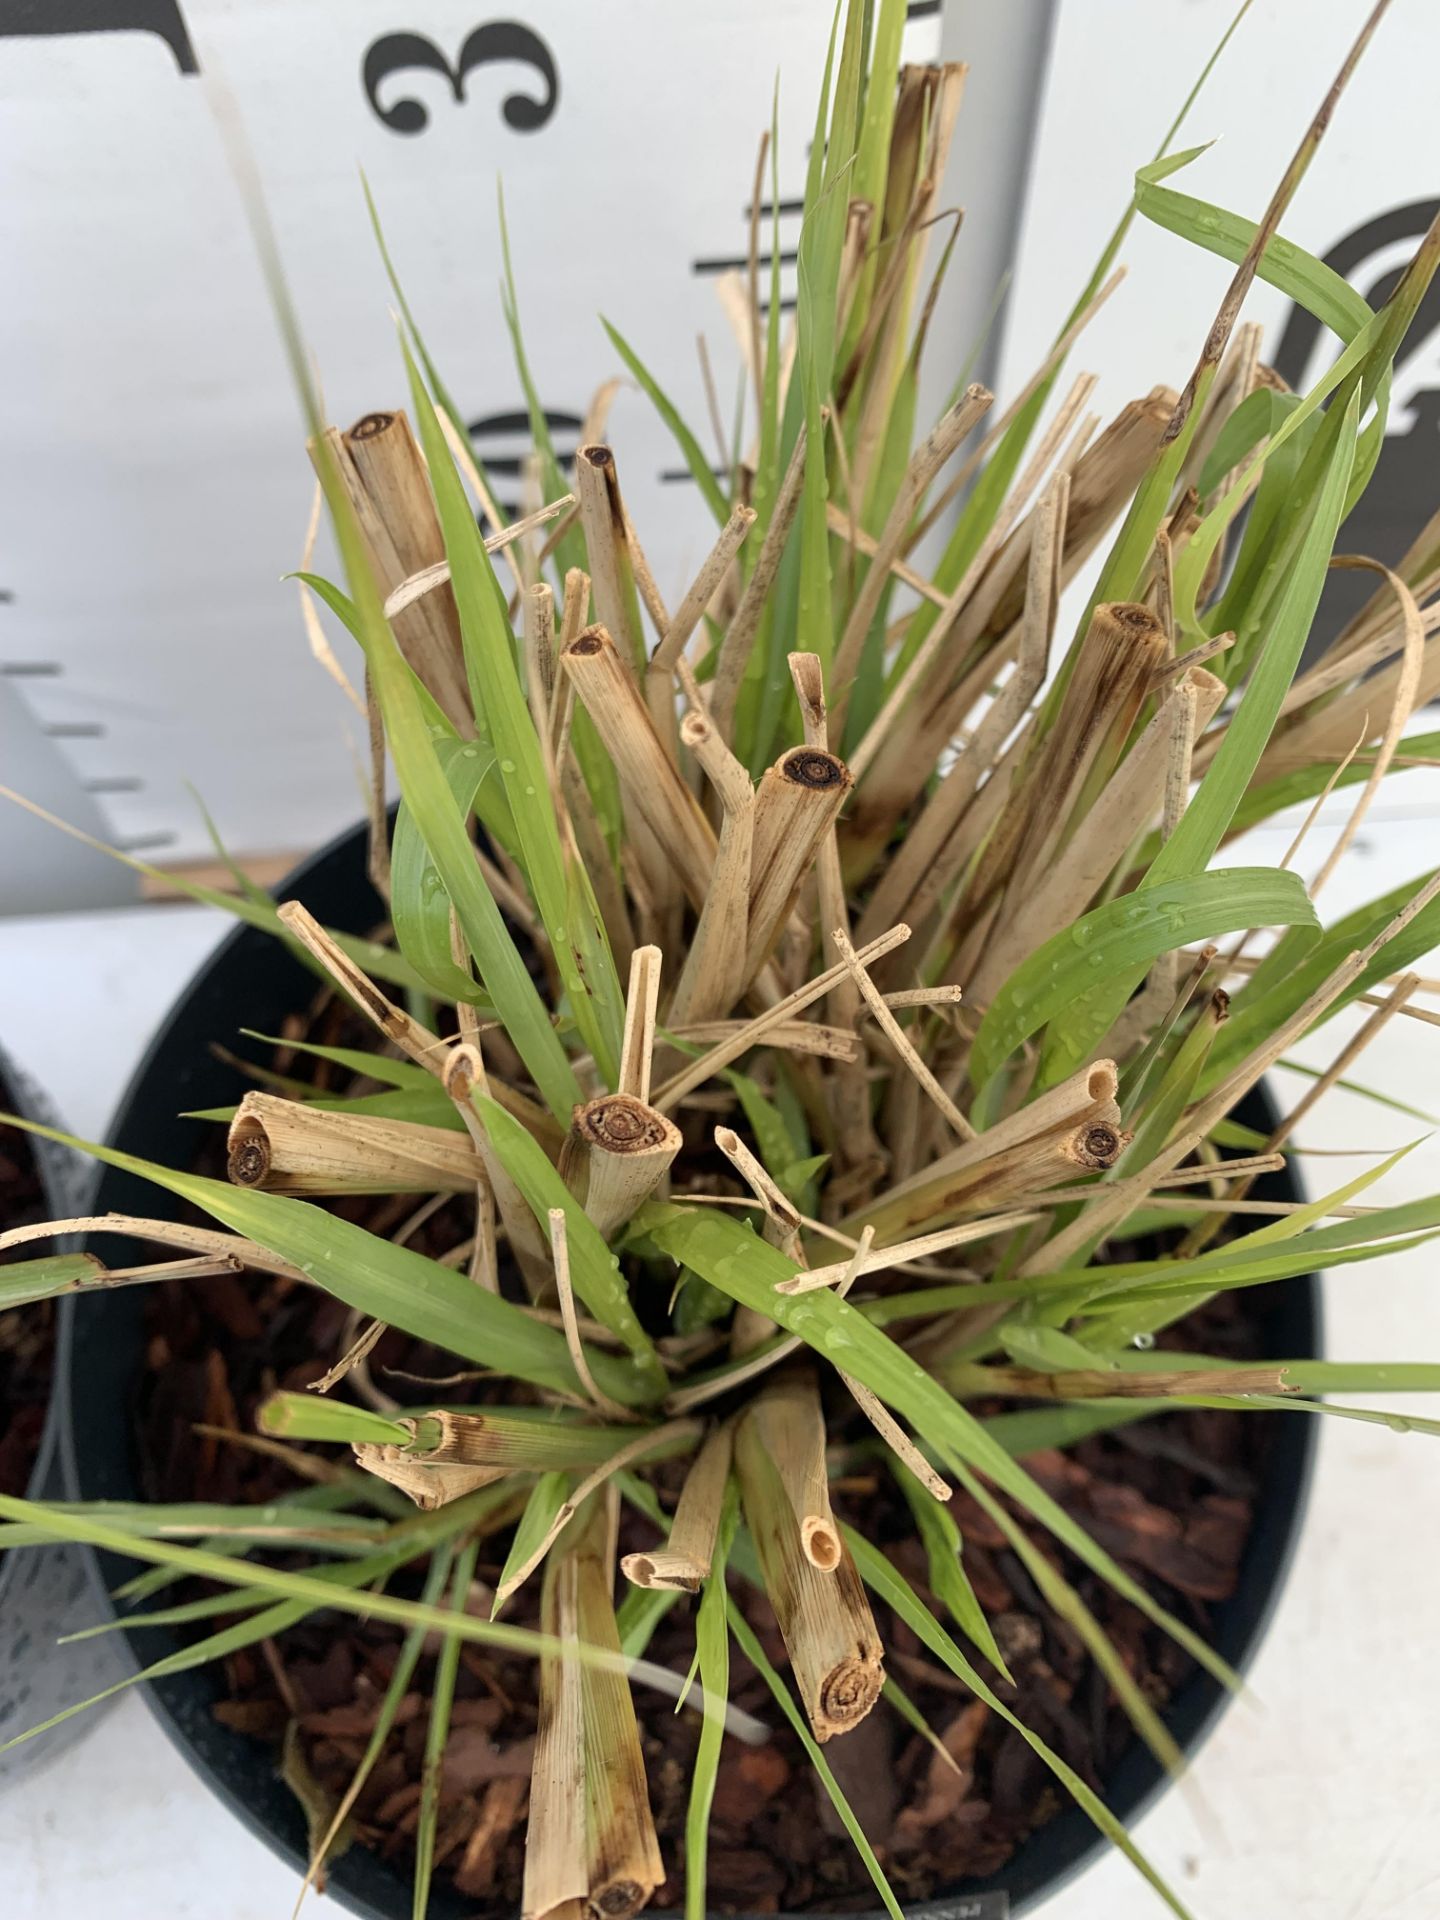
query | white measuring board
(153,482)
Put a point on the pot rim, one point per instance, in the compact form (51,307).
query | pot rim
(64,1183)
(362,1883)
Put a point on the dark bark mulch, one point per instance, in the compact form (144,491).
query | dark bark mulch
(1172,1498)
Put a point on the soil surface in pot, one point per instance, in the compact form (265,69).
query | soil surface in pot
(27,1335)
(1172,1498)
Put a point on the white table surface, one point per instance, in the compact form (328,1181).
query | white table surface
(1320,1803)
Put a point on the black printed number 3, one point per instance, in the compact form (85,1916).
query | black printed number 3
(496,41)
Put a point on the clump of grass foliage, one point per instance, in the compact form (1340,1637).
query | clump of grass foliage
(809,980)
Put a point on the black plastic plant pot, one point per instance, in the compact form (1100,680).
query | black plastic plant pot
(253,981)
(45,1591)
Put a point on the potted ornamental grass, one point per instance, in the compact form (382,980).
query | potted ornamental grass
(711,1333)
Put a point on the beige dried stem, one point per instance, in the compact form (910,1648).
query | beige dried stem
(824,1616)
(899,1039)
(735,648)
(753,1031)
(713,974)
(637,1045)
(380,464)
(659,687)
(798,802)
(1074,1125)
(570,1319)
(616,1154)
(682,1565)
(679,845)
(293,1147)
(591,1847)
(203,1242)
(780,1226)
(926,462)
(607,543)
(416,585)
(923,867)
(429,1486)
(669,1438)
(463,1075)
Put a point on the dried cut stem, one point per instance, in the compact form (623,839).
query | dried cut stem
(638,1041)
(792,1036)
(377,862)
(617,1152)
(825,1618)
(659,692)
(839,522)
(1148,777)
(417,585)
(597,1764)
(463,1074)
(882,1259)
(607,543)
(320,648)
(898,1038)
(1081,1384)
(430,1487)
(799,800)
(896,1438)
(740,634)
(203,1242)
(655,1439)
(782,1220)
(683,1564)
(929,457)
(1076,1124)
(654,790)
(1407,689)
(713,974)
(380,464)
(748,1035)
(1393,1003)
(787,1421)
(292,1147)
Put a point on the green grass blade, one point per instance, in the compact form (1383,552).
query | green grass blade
(1124,936)
(712,1654)
(567,908)
(737,1261)
(691,451)
(442,1699)
(24,1281)
(419,904)
(638,1615)
(399,1685)
(1066,1604)
(547,1497)
(945,1551)
(1290,615)
(311,1416)
(378,1278)
(402,1074)
(326,1588)
(593,1268)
